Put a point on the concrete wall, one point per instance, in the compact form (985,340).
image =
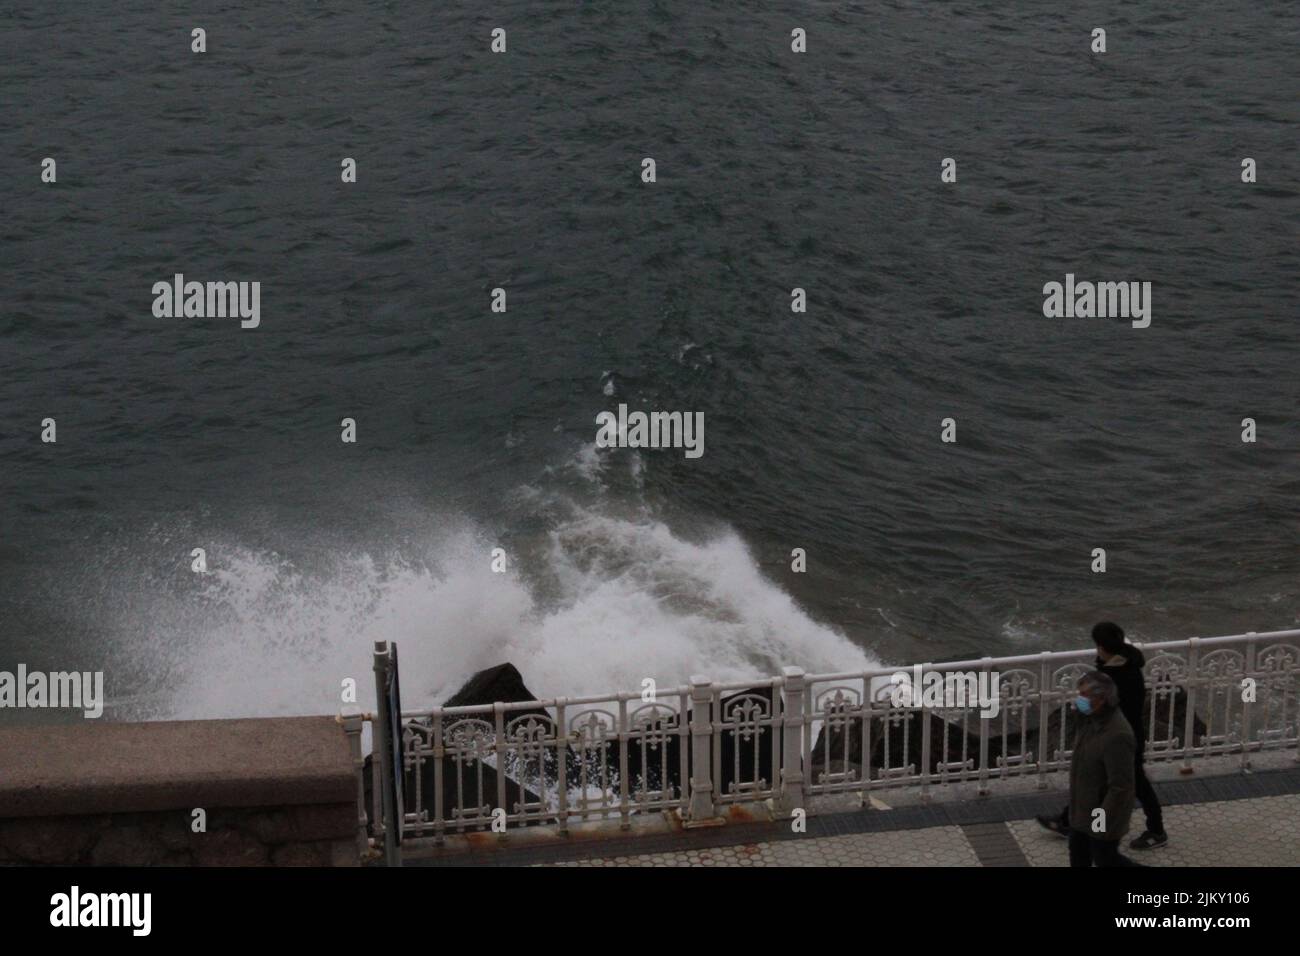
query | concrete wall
(277,792)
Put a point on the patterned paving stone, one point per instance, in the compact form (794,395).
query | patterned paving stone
(1261,832)
(937,846)
(1258,832)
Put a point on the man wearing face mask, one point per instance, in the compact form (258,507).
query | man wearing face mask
(1123,662)
(1101,775)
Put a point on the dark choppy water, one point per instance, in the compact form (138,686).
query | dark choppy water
(476,430)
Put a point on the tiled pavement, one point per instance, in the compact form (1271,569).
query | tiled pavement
(1250,820)
(937,846)
(1262,832)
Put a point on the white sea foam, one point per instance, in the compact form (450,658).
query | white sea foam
(588,463)
(624,599)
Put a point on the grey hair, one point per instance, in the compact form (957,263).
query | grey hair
(1097,684)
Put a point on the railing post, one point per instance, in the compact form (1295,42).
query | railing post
(683,695)
(383,749)
(792,706)
(701,805)
(1246,709)
(624,790)
(1193,665)
(561,766)
(439,777)
(1044,678)
(501,748)
(985,667)
(868,713)
(918,701)
(351,720)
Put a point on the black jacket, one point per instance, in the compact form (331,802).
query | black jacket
(1127,675)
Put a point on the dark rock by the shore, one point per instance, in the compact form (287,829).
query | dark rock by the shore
(654,765)
(461,788)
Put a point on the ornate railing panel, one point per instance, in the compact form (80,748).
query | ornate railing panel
(797,738)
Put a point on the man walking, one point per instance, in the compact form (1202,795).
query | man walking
(1123,663)
(1101,775)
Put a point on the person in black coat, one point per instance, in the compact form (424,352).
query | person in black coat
(1101,775)
(1123,663)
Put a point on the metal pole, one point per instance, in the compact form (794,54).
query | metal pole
(382,744)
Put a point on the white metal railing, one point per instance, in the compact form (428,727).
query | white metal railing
(799,738)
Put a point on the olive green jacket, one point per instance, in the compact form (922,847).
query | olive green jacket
(1101,774)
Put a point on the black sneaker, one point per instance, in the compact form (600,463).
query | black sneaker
(1149,841)
(1053,824)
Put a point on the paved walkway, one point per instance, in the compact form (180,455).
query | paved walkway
(1262,832)
(1231,820)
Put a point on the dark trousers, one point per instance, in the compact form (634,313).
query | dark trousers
(1087,850)
(1146,795)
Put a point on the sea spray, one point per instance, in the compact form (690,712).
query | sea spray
(597,605)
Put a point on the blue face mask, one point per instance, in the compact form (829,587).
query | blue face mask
(1083,704)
